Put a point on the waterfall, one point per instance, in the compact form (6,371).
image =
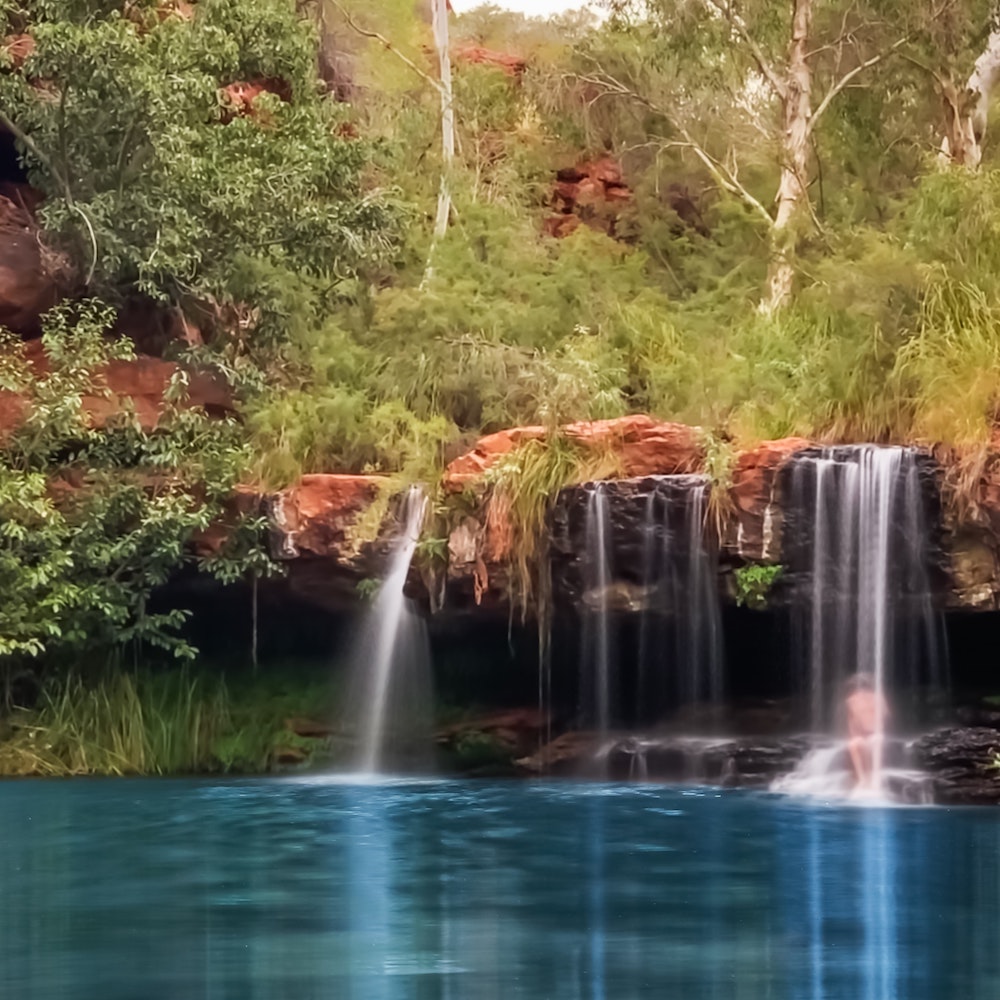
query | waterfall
(651,636)
(862,555)
(680,630)
(857,543)
(390,665)
(597,631)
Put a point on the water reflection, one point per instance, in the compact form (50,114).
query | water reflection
(450,891)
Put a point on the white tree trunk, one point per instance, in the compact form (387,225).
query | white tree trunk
(967,113)
(439,10)
(792,193)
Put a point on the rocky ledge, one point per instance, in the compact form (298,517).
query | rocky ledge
(741,762)
(964,764)
(329,532)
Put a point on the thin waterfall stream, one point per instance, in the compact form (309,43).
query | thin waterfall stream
(680,630)
(647,574)
(390,666)
(598,630)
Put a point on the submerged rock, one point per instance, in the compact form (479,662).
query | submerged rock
(493,741)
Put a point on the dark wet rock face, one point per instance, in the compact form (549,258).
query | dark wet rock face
(920,565)
(964,764)
(763,522)
(648,514)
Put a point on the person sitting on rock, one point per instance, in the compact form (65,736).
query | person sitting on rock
(867,713)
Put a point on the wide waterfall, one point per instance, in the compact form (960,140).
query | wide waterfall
(389,694)
(651,638)
(857,543)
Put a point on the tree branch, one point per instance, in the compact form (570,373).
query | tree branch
(851,74)
(763,64)
(388,46)
(45,160)
(874,60)
(722,174)
(57,175)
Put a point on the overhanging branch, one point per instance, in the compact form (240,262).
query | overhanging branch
(852,74)
(388,46)
(763,63)
(725,177)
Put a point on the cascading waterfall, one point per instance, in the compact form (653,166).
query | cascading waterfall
(650,558)
(680,631)
(390,666)
(857,542)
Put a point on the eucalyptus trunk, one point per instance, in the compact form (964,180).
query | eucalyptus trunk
(440,20)
(966,112)
(792,197)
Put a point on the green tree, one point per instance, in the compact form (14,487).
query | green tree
(161,180)
(94,518)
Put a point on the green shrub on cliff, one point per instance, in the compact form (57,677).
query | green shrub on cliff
(178,146)
(94,518)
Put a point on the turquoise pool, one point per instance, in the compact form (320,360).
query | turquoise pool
(447,890)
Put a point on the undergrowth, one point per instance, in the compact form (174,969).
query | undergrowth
(154,723)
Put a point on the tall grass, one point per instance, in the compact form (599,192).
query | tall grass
(121,724)
(148,723)
(522,489)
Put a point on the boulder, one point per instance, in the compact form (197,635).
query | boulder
(470,54)
(478,574)
(591,193)
(642,445)
(138,383)
(752,532)
(314,518)
(972,564)
(32,276)
(493,740)
(733,763)
(318,529)
(964,763)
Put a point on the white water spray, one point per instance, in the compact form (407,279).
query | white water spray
(392,654)
(862,548)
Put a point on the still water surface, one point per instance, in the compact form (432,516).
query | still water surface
(263,890)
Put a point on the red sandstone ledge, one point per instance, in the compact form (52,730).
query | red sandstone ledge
(644,446)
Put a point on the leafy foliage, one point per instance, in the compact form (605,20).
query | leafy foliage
(160,180)
(299,230)
(753,583)
(95,518)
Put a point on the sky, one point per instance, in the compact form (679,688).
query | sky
(539,7)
